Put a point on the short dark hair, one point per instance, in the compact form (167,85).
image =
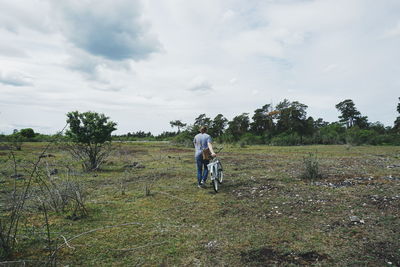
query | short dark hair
(203,129)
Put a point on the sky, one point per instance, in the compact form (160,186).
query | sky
(146,63)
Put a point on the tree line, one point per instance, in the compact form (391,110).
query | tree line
(287,123)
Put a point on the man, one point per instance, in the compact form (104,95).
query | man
(202,141)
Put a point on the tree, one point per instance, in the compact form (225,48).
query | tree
(362,122)
(263,120)
(201,120)
(218,125)
(239,125)
(292,117)
(177,123)
(27,133)
(397,121)
(90,133)
(349,112)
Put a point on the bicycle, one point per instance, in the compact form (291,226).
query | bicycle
(216,173)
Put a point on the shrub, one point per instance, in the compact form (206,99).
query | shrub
(251,139)
(311,167)
(62,196)
(286,139)
(90,133)
(357,136)
(184,138)
(226,138)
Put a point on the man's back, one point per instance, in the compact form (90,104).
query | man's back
(201,141)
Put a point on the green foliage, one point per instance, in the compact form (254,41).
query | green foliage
(262,121)
(201,120)
(357,136)
(332,134)
(27,133)
(288,124)
(90,132)
(286,139)
(397,121)
(239,125)
(218,126)
(251,139)
(177,123)
(89,127)
(311,167)
(16,140)
(350,115)
(226,138)
(184,138)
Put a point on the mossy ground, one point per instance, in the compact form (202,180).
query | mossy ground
(264,214)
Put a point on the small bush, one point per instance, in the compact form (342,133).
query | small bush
(251,139)
(357,136)
(61,196)
(311,167)
(184,138)
(286,139)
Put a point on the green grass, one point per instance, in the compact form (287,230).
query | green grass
(265,214)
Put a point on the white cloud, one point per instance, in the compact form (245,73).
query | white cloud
(15,79)
(200,84)
(392,32)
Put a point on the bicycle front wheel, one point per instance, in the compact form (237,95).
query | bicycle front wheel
(220,177)
(215,183)
(220,173)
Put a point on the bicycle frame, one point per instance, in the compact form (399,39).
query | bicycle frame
(213,168)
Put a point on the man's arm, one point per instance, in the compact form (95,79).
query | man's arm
(211,149)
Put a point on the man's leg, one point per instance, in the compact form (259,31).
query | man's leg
(199,165)
(205,171)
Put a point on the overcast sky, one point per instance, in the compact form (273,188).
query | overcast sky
(145,63)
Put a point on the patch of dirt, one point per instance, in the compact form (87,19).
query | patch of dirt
(176,150)
(385,202)
(338,183)
(266,256)
(388,252)
(133,151)
(253,192)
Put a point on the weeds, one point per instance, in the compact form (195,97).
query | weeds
(311,167)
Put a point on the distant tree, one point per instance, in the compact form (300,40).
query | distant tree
(308,126)
(263,120)
(90,133)
(319,123)
(348,111)
(201,120)
(239,125)
(378,127)
(291,117)
(218,125)
(397,121)
(139,134)
(362,122)
(177,123)
(27,133)
(16,140)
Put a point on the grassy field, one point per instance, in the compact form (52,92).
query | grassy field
(145,209)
